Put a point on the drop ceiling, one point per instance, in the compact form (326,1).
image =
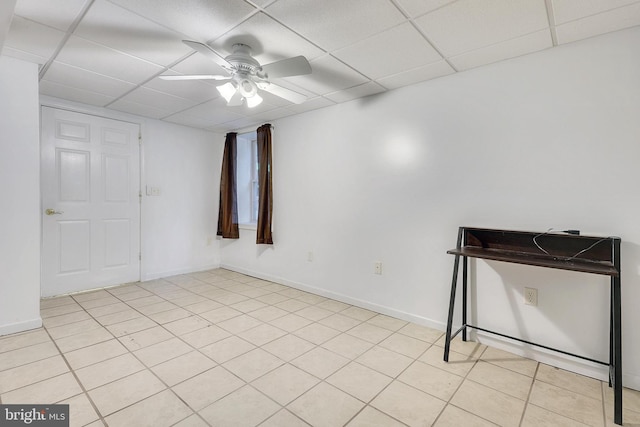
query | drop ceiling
(109,53)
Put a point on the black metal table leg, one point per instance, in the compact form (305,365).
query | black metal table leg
(464,297)
(452,301)
(616,301)
(452,298)
(617,352)
(611,334)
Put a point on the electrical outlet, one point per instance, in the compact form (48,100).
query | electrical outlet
(377,267)
(310,256)
(531,296)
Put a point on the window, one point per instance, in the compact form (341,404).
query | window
(247,178)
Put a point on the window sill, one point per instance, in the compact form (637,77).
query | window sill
(247,226)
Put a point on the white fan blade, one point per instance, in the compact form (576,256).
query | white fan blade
(288,94)
(236,100)
(296,66)
(208,52)
(195,77)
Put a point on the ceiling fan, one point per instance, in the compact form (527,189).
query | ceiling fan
(245,75)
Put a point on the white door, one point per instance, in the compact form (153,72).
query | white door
(90,172)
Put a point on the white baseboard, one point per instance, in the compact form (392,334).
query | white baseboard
(389,311)
(579,366)
(559,360)
(26,325)
(162,274)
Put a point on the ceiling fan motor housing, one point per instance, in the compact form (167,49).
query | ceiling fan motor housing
(242,60)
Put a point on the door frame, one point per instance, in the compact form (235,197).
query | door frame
(103,114)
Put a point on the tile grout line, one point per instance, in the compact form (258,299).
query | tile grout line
(526,402)
(464,378)
(85,392)
(396,378)
(604,403)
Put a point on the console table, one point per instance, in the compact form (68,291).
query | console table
(586,254)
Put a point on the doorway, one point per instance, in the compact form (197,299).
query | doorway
(90,191)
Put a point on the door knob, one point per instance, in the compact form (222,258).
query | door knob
(53,212)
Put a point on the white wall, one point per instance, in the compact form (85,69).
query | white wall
(546,140)
(178,225)
(19,196)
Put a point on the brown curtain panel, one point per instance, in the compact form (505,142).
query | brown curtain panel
(265,205)
(228,210)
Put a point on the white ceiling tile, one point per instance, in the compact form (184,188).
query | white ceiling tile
(86,80)
(329,75)
(206,110)
(366,89)
(428,72)
(613,20)
(269,40)
(274,100)
(94,57)
(274,114)
(262,3)
(214,117)
(160,100)
(33,38)
(243,124)
(333,24)
(415,8)
(200,20)
(311,104)
(509,49)
(389,52)
(24,56)
(58,14)
(190,89)
(288,85)
(222,114)
(569,10)
(119,29)
(222,129)
(198,64)
(74,94)
(185,120)
(143,110)
(471,24)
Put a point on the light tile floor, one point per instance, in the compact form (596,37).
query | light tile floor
(220,348)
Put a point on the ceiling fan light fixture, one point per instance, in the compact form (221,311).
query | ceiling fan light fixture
(247,87)
(227,90)
(254,101)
